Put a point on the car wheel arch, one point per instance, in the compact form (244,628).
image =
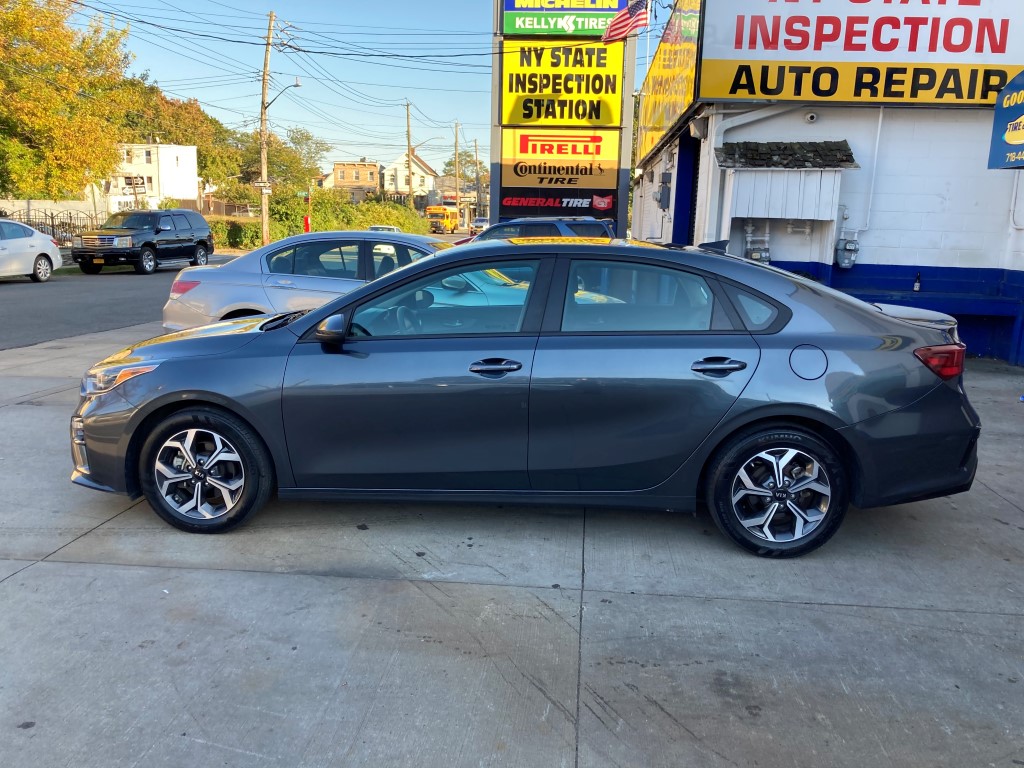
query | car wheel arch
(145,423)
(817,427)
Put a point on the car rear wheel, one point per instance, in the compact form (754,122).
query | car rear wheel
(41,269)
(205,471)
(90,269)
(147,262)
(778,492)
(201,257)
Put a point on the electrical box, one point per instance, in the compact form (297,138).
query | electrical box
(761,254)
(846,253)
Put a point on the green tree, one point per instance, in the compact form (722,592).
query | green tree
(61,101)
(467,168)
(286,163)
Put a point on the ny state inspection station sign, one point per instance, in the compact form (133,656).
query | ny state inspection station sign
(559,18)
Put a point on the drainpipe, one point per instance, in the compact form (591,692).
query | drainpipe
(716,220)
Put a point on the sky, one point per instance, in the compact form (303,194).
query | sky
(358,62)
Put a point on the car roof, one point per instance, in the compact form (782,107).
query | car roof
(543,219)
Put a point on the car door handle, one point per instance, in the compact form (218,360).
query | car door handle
(717,366)
(494,366)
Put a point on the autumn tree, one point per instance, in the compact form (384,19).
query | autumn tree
(61,101)
(294,160)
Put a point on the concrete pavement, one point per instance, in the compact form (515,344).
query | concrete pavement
(406,635)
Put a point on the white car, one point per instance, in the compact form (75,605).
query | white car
(27,251)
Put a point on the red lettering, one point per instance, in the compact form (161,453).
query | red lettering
(996,41)
(798,35)
(833,24)
(769,38)
(893,42)
(965,27)
(856,30)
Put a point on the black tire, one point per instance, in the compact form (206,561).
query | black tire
(42,268)
(237,485)
(201,257)
(767,520)
(146,265)
(90,269)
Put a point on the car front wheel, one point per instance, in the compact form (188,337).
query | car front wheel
(147,262)
(205,471)
(41,269)
(778,492)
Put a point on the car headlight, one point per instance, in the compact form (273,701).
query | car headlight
(100,378)
(76,241)
(123,242)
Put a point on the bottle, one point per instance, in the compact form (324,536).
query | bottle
(917,282)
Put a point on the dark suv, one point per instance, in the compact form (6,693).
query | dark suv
(549,226)
(146,240)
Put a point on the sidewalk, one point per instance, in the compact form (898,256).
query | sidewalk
(422,636)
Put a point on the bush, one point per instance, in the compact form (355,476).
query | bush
(330,212)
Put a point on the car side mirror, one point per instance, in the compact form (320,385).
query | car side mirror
(455,283)
(332,330)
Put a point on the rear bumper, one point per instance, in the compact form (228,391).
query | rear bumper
(178,316)
(925,450)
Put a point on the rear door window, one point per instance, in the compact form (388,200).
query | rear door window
(181,223)
(327,258)
(587,229)
(619,297)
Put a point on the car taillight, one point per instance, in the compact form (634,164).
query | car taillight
(945,361)
(181,287)
(55,242)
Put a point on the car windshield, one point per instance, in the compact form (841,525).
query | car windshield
(128,220)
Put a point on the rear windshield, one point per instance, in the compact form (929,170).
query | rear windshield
(129,220)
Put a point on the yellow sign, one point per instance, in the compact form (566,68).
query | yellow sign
(563,84)
(668,89)
(849,81)
(534,157)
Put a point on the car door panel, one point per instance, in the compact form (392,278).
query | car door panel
(409,413)
(309,275)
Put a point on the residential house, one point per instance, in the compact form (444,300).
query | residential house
(361,178)
(151,173)
(397,181)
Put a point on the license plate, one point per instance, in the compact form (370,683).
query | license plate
(98,261)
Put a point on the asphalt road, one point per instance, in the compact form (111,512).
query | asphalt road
(72,303)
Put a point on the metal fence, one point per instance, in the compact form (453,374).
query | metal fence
(60,225)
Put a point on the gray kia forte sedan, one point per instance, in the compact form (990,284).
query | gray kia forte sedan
(550,371)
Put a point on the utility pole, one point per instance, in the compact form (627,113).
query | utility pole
(476,154)
(458,195)
(408,152)
(264,188)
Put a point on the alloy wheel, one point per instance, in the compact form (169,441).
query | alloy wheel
(781,494)
(199,474)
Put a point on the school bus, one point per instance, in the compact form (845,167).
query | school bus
(442,218)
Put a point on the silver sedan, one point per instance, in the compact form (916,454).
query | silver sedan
(297,273)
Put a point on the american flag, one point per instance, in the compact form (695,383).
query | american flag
(632,17)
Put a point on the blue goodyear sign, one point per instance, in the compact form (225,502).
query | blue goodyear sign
(559,18)
(1007,149)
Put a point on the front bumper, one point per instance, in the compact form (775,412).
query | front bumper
(99,443)
(105,256)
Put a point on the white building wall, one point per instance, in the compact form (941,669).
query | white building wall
(933,201)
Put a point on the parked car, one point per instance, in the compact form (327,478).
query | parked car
(27,251)
(300,272)
(383,228)
(147,240)
(549,226)
(478,225)
(774,399)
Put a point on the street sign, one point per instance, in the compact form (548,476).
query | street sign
(266,190)
(261,184)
